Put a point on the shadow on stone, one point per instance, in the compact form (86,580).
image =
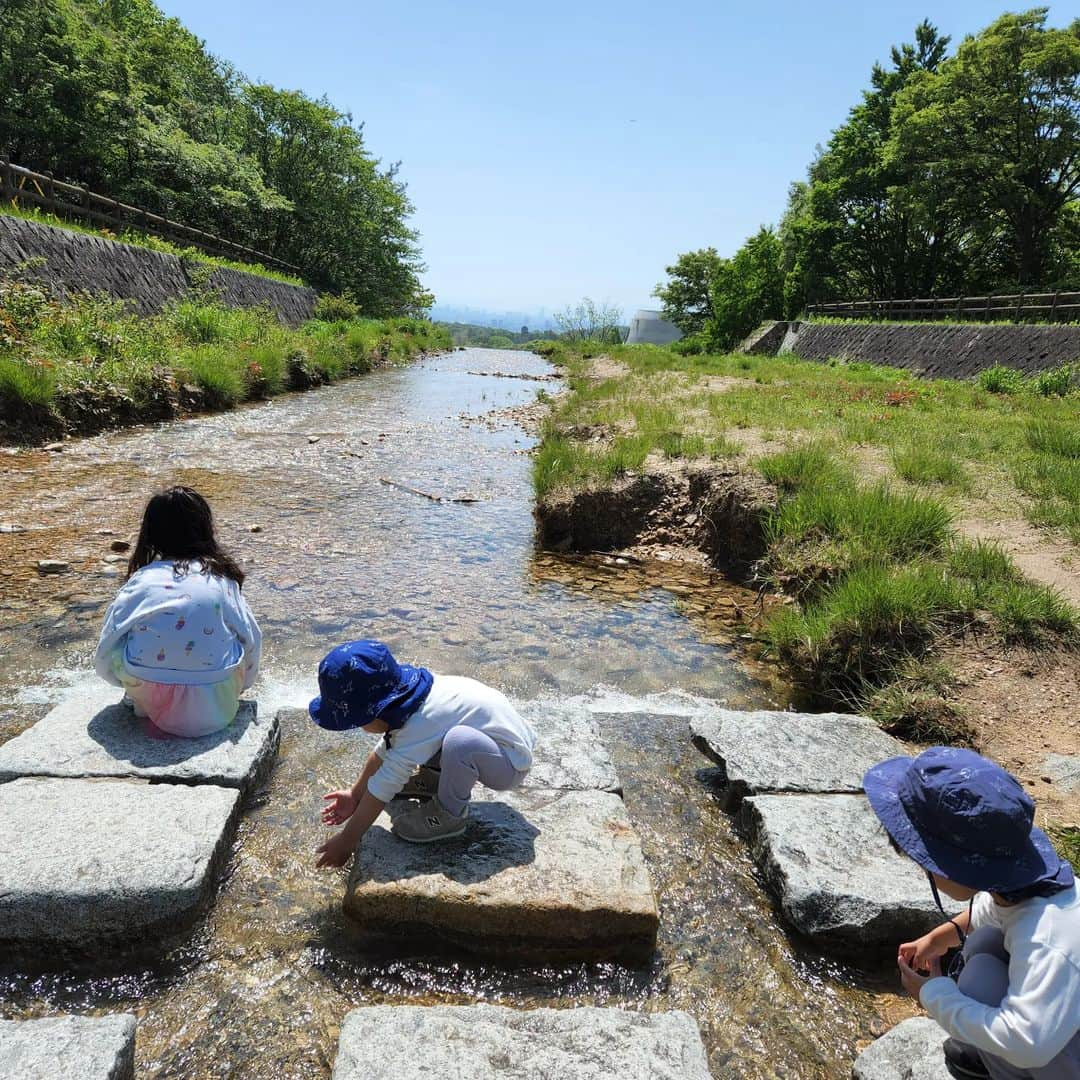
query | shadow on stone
(498,838)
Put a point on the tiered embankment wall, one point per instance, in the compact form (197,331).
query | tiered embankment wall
(953,351)
(69,261)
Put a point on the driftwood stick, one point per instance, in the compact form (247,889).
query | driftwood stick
(427,495)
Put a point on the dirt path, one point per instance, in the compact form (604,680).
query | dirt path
(1039,555)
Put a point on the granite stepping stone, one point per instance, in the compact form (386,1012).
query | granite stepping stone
(838,880)
(86,862)
(909,1051)
(490,1042)
(72,1047)
(539,874)
(776,752)
(91,734)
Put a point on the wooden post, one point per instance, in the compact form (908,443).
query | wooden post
(50,189)
(7,180)
(1054,304)
(1019,306)
(988,300)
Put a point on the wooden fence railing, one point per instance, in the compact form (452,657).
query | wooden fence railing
(1009,307)
(25,187)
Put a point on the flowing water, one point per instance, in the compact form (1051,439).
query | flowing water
(333,552)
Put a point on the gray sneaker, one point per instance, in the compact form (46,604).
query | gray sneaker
(429,822)
(423,784)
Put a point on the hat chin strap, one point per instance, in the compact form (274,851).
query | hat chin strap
(960,935)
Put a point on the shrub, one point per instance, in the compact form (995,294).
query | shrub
(1057,382)
(330,308)
(1001,380)
(25,384)
(217,373)
(198,323)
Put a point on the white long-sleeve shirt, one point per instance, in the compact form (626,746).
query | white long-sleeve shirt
(180,629)
(452,700)
(1040,1015)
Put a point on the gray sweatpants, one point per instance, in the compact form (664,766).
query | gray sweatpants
(468,756)
(985,978)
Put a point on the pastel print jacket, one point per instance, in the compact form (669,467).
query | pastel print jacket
(188,629)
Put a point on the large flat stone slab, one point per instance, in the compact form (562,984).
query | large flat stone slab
(771,752)
(539,874)
(84,862)
(488,1042)
(72,1047)
(909,1051)
(91,734)
(569,754)
(837,879)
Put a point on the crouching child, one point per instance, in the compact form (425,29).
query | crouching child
(441,734)
(1010,999)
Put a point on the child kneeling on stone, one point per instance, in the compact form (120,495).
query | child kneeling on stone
(179,637)
(1010,1002)
(455,731)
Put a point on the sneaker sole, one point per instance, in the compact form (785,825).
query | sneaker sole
(962,1073)
(430,839)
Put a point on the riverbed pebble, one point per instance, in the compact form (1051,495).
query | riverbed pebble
(90,734)
(53,566)
(1063,770)
(539,874)
(85,863)
(771,752)
(910,1051)
(837,878)
(68,1047)
(491,1042)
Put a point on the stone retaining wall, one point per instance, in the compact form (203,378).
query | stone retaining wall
(953,351)
(69,262)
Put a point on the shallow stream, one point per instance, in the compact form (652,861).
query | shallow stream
(333,553)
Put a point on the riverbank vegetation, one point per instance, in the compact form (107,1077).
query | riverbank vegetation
(956,174)
(873,471)
(129,102)
(191,255)
(89,364)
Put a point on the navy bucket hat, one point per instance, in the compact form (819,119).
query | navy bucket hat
(361,681)
(964,818)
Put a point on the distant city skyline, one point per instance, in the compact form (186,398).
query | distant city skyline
(575,149)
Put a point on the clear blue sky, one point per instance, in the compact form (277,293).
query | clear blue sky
(569,148)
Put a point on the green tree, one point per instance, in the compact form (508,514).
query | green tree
(590,321)
(687,294)
(994,133)
(747,290)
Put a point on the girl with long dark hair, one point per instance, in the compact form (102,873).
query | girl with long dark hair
(179,637)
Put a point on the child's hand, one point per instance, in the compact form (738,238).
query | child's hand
(922,953)
(341,805)
(911,980)
(335,852)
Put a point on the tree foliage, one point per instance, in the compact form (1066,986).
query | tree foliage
(118,96)
(953,175)
(590,321)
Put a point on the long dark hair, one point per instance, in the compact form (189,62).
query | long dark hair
(178,525)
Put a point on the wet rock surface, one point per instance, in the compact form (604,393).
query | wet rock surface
(87,862)
(488,1042)
(775,752)
(836,877)
(552,875)
(71,1047)
(91,734)
(910,1051)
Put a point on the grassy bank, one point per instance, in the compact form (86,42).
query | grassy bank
(89,365)
(149,241)
(873,469)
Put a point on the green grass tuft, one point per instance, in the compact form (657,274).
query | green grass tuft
(25,384)
(927,465)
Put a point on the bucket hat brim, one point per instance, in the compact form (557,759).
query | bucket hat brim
(973,869)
